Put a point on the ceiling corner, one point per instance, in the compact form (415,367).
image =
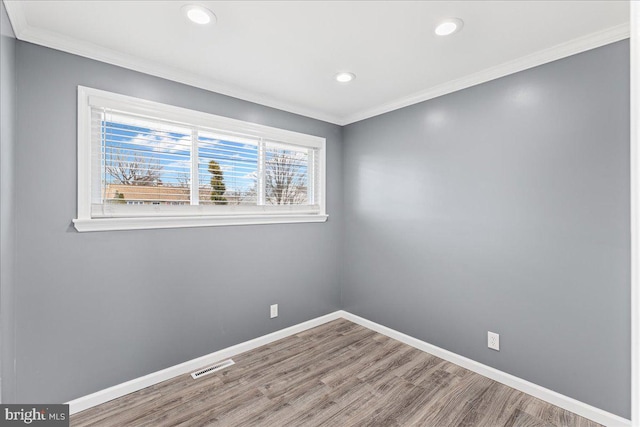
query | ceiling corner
(554,53)
(15,12)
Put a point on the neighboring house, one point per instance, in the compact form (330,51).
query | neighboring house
(162,195)
(148,195)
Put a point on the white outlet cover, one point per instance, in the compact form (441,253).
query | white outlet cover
(493,341)
(274,310)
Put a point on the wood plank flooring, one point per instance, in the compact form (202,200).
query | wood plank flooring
(338,374)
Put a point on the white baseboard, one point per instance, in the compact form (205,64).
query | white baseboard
(565,402)
(119,390)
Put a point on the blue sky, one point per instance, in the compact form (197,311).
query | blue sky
(168,145)
(171,150)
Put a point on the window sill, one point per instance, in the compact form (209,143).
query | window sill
(113,224)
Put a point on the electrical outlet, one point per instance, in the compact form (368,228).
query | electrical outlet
(274,310)
(493,341)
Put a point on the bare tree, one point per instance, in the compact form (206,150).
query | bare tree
(234,197)
(184,179)
(132,169)
(285,179)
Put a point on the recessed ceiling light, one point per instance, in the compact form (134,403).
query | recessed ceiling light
(198,14)
(345,77)
(449,26)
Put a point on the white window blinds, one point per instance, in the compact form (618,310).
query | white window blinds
(154,166)
(143,164)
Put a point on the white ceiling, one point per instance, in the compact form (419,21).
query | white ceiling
(285,54)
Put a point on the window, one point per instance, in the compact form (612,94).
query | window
(143,164)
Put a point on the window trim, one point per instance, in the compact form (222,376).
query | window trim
(88,97)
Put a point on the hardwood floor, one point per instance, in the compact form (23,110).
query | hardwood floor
(338,374)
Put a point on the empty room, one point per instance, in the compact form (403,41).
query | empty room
(319,213)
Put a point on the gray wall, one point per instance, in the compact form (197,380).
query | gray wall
(7,202)
(503,207)
(96,309)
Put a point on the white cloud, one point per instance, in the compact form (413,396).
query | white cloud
(207,143)
(161,142)
(253,175)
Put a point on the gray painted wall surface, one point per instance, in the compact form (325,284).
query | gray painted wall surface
(97,309)
(7,202)
(503,207)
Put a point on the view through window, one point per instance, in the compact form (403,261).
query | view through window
(153,161)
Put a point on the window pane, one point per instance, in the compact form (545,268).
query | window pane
(144,162)
(286,175)
(227,169)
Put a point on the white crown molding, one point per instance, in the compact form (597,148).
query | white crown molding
(572,47)
(15,12)
(25,32)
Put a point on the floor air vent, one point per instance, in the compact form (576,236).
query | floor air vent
(211,369)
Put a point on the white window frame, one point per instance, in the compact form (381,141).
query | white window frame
(88,97)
